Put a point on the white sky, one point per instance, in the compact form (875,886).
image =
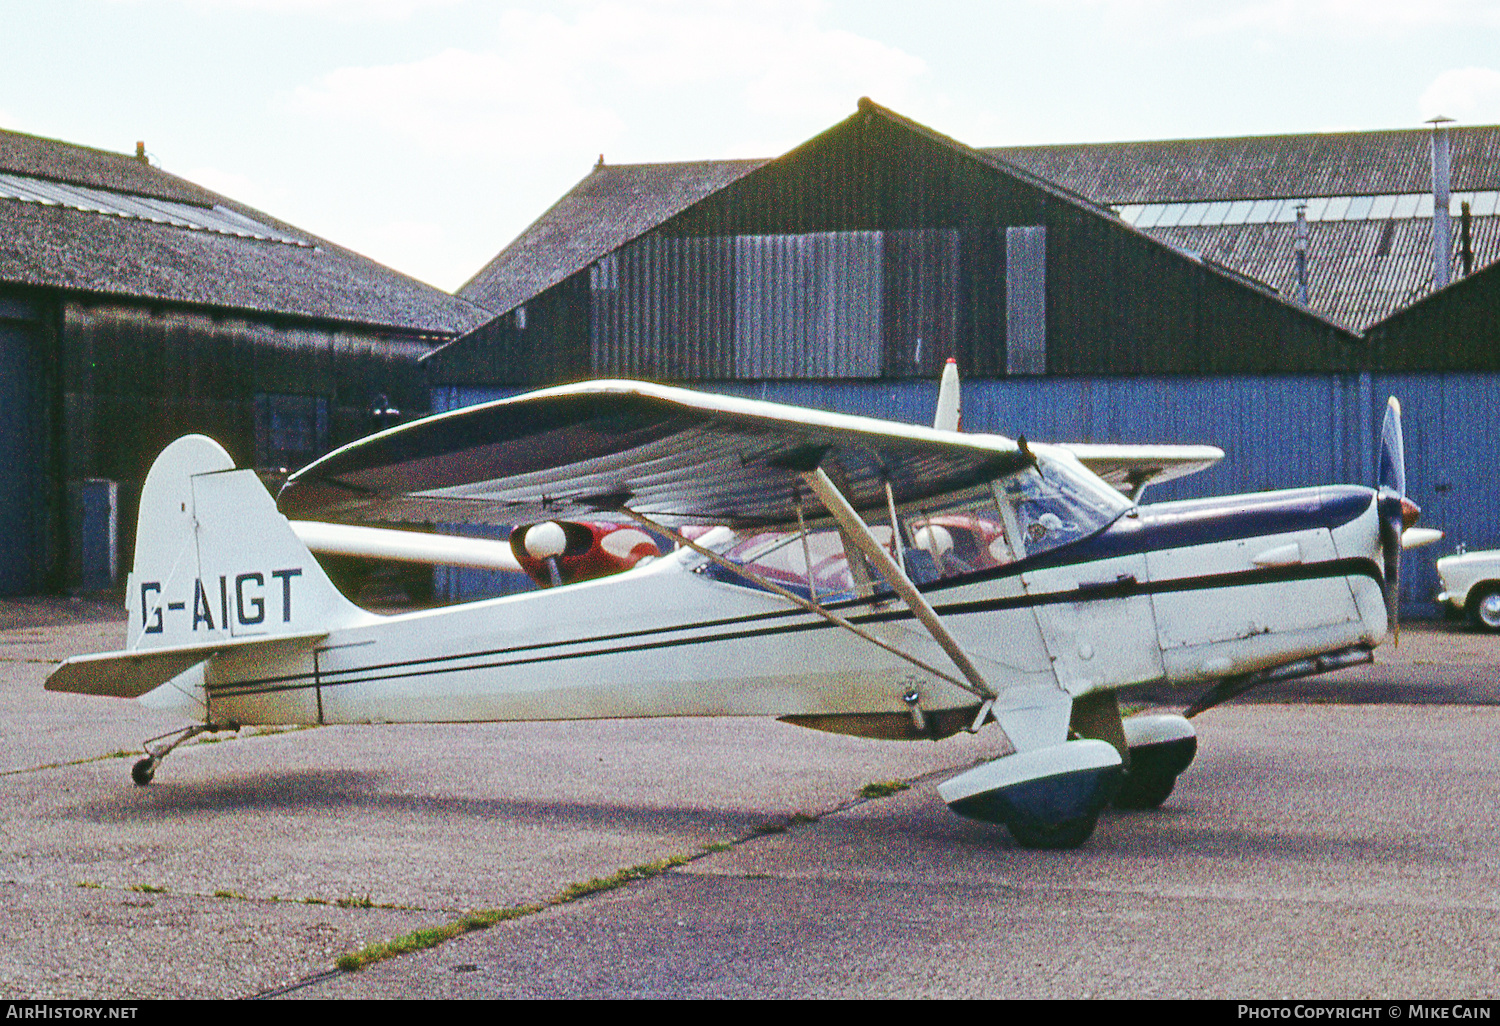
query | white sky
(428,133)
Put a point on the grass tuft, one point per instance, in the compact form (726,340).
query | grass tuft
(355,901)
(145,888)
(92,885)
(882,789)
(718,846)
(225,893)
(432,936)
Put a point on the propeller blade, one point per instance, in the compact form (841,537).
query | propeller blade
(1392,451)
(1391,488)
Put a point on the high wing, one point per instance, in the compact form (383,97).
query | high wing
(678,456)
(1131,468)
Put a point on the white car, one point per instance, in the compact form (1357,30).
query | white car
(1471,584)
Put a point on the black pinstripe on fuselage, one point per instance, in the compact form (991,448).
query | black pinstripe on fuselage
(1175,526)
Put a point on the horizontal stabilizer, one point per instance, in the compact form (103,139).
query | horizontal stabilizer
(133,674)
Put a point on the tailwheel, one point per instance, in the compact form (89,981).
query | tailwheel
(143,771)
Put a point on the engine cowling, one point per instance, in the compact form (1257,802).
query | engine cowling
(557,552)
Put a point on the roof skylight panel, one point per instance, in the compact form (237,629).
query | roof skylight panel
(1406,206)
(1171,214)
(1335,209)
(1484,204)
(1382,206)
(1194,215)
(1149,216)
(1239,212)
(1359,208)
(219,220)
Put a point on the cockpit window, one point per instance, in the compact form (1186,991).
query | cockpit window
(781,558)
(1053,505)
(956,538)
(1033,511)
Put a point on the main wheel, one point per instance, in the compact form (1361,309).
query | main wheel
(143,771)
(1063,835)
(1484,608)
(1145,790)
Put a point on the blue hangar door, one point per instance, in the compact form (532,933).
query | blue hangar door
(20,555)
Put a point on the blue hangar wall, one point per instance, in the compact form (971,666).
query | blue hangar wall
(1278,431)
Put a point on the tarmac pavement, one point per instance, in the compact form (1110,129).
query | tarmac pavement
(1315,849)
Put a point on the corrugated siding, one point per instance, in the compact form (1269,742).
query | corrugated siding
(136,378)
(1117,301)
(1026,300)
(808,305)
(857,304)
(1278,432)
(21,484)
(1457,328)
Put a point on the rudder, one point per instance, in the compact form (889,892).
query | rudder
(215,559)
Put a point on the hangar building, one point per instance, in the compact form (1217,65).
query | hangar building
(135,307)
(1126,292)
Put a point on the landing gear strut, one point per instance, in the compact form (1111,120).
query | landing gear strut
(145,769)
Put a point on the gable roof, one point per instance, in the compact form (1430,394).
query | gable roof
(92,221)
(1365,260)
(616,204)
(613,205)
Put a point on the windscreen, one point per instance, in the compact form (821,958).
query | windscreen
(1055,502)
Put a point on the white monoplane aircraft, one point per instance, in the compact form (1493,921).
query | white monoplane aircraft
(838,572)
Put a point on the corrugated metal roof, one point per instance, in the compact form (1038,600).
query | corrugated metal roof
(613,205)
(1327,164)
(1233,201)
(246,260)
(1359,272)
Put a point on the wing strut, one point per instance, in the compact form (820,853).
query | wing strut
(811,607)
(859,532)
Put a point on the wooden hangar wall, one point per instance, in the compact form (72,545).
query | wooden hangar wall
(842,275)
(95,389)
(878,250)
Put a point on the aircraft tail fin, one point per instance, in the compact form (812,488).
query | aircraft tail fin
(216,562)
(949,415)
